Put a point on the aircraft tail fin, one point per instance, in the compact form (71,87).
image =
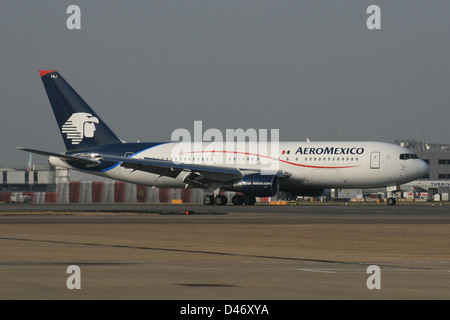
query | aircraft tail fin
(80,126)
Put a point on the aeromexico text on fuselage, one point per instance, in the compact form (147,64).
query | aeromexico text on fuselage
(329,151)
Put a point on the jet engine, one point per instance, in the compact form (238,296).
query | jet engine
(255,185)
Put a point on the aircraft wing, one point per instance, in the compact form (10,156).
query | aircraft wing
(201,174)
(82,160)
(173,169)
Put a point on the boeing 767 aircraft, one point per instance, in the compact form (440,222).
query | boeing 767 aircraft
(302,168)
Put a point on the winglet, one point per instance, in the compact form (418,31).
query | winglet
(44,72)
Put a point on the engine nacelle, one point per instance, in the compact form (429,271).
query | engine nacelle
(255,185)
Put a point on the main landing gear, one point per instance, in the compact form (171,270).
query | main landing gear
(219,200)
(222,200)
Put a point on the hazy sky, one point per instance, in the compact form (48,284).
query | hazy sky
(311,69)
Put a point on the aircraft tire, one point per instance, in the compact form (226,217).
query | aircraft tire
(237,200)
(249,201)
(220,200)
(391,201)
(208,200)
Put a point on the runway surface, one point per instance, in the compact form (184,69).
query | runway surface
(147,251)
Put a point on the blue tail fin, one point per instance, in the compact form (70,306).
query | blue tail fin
(80,126)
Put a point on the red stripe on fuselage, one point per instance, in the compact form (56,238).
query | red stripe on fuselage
(267,157)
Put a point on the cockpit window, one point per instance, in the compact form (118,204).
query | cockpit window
(406,156)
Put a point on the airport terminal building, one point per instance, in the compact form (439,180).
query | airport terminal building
(50,184)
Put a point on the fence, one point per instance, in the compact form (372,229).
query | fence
(104,192)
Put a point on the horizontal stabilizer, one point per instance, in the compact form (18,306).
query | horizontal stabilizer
(61,156)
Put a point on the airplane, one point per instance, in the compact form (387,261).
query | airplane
(301,168)
(424,185)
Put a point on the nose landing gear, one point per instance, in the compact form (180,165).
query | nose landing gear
(391,201)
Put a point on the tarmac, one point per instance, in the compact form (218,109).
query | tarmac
(195,252)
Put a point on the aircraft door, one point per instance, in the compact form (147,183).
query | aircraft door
(375,160)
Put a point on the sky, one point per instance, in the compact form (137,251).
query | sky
(311,69)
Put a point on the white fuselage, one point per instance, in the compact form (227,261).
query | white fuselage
(302,164)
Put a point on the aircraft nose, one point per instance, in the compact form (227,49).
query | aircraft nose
(423,168)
